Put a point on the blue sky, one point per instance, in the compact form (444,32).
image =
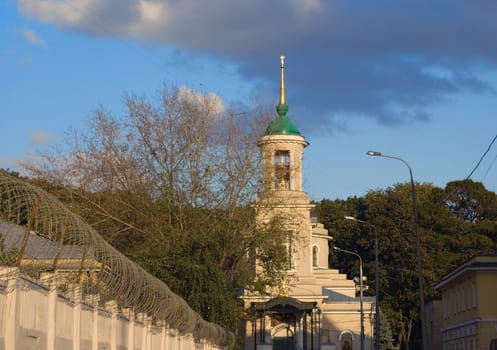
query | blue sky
(415,79)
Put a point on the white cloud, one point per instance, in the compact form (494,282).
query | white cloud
(32,37)
(39,137)
(152,14)
(139,19)
(62,12)
(212,101)
(215,25)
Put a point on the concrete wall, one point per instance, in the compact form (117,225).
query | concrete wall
(35,316)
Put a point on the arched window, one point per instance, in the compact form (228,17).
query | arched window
(346,338)
(315,254)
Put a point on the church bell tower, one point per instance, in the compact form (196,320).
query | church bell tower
(315,307)
(282,148)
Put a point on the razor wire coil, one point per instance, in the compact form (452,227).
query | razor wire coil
(41,236)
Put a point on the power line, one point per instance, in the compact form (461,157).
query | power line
(474,169)
(481,159)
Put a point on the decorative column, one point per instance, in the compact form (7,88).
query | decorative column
(131,327)
(267,329)
(298,334)
(50,280)
(76,324)
(11,313)
(93,300)
(162,325)
(111,306)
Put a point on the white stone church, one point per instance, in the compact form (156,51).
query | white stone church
(316,307)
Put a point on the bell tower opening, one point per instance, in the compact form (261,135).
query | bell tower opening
(282,170)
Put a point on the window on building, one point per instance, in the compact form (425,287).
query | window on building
(290,251)
(282,170)
(315,252)
(346,340)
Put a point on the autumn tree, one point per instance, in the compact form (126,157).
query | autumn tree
(170,185)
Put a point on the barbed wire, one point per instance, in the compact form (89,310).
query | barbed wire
(42,237)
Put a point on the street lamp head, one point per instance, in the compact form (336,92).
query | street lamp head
(351,218)
(373,153)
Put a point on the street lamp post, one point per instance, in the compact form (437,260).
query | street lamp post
(424,333)
(360,292)
(377,279)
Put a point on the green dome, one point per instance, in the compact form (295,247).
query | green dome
(281,125)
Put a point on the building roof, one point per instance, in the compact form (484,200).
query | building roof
(479,263)
(281,125)
(283,303)
(37,247)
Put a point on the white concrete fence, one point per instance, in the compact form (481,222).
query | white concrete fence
(37,316)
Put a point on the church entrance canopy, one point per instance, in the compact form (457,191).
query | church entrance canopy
(285,323)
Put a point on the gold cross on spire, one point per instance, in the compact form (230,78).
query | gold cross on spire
(282,82)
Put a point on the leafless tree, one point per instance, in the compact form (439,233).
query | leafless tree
(172,180)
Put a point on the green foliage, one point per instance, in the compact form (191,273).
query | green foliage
(202,263)
(7,257)
(210,261)
(470,201)
(271,248)
(204,255)
(455,223)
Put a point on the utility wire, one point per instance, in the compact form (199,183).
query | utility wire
(474,169)
(481,159)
